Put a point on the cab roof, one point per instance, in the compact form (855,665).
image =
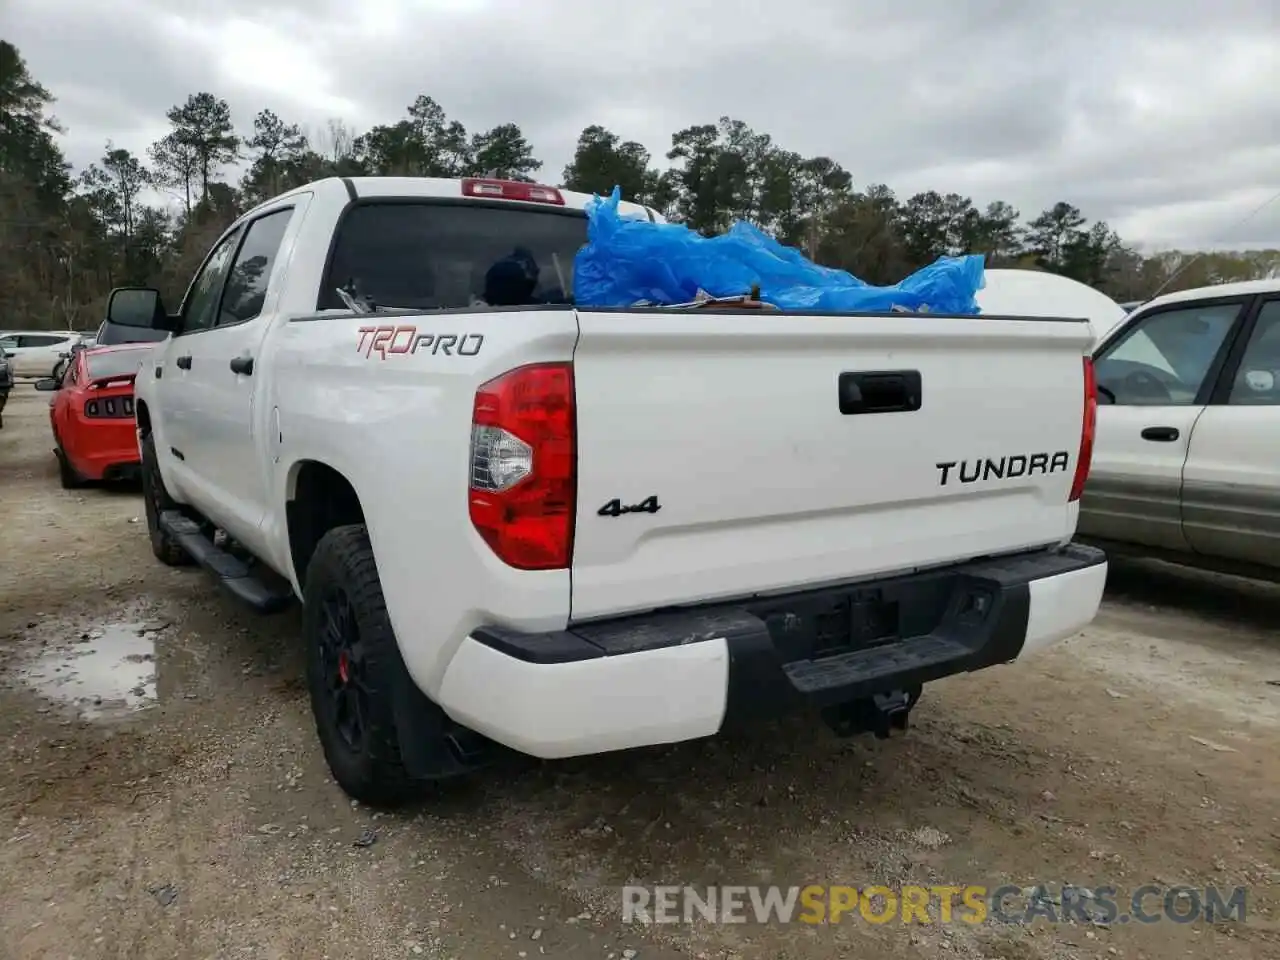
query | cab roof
(1241,288)
(480,189)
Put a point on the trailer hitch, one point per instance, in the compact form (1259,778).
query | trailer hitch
(879,714)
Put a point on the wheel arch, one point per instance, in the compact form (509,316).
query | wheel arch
(318,497)
(142,415)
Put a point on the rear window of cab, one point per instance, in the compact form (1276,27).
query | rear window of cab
(427,255)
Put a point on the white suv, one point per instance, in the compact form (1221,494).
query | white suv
(34,353)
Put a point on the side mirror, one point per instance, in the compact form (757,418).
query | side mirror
(48,383)
(138,307)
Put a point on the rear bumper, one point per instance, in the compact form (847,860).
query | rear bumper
(667,677)
(104,449)
(108,465)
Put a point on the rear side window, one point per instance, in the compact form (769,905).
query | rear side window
(1257,382)
(430,256)
(41,340)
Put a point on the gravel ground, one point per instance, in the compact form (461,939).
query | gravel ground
(162,793)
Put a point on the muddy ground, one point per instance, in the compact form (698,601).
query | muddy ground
(162,793)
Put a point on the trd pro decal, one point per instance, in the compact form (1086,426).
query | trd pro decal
(388,339)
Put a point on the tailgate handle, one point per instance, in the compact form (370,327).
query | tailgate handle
(880,391)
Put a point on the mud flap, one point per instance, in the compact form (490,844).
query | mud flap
(432,746)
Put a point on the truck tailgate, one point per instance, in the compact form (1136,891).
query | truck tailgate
(745,432)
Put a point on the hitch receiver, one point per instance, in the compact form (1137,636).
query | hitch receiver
(879,714)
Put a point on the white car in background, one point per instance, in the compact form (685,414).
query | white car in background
(1032,293)
(1185,464)
(35,353)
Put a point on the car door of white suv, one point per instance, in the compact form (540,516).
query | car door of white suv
(1231,483)
(1154,378)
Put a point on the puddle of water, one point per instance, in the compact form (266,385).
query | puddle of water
(107,672)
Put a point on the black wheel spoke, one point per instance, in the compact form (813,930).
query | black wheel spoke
(359,683)
(342,665)
(350,719)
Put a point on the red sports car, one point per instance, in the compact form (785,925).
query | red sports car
(92,414)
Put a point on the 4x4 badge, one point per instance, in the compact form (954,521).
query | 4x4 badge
(614,508)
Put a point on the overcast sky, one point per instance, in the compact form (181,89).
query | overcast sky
(1160,116)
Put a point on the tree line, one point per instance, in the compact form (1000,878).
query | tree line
(67,237)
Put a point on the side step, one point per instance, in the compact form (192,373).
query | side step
(232,572)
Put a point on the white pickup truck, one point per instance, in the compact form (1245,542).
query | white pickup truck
(513,522)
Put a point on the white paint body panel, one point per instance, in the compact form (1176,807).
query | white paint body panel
(1236,445)
(1235,449)
(1062,606)
(732,422)
(591,706)
(1123,459)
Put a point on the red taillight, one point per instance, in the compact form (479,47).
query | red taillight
(511,190)
(115,406)
(524,466)
(1087,430)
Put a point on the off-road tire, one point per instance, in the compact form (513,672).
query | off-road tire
(342,569)
(156,499)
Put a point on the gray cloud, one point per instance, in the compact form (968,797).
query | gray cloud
(1159,118)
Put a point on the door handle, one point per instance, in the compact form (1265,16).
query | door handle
(879,391)
(1160,434)
(243,365)
(183,362)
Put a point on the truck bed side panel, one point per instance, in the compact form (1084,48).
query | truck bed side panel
(398,427)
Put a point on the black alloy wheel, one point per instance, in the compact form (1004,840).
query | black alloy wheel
(343,658)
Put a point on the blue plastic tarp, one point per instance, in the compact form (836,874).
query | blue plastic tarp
(626,261)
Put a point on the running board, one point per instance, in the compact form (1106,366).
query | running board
(232,572)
